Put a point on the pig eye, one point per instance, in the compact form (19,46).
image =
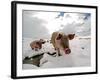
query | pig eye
(43,42)
(59,37)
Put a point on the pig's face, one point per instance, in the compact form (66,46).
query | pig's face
(42,41)
(63,42)
(36,46)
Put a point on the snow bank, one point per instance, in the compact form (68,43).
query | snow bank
(27,51)
(53,62)
(79,56)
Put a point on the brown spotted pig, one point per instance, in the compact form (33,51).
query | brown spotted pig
(37,44)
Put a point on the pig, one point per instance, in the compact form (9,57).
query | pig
(60,42)
(37,44)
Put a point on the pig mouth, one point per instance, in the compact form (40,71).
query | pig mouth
(67,51)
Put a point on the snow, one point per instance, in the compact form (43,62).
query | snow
(27,51)
(42,27)
(62,61)
(29,66)
(79,56)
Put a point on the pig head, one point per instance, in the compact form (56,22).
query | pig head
(60,42)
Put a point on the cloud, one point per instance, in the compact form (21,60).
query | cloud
(79,23)
(34,27)
(38,24)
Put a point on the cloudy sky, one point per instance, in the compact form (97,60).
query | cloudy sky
(39,24)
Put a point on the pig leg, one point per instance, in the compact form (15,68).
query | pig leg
(58,52)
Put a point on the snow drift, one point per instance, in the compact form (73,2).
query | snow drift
(79,56)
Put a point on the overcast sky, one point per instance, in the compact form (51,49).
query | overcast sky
(38,24)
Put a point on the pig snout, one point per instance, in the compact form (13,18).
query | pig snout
(67,51)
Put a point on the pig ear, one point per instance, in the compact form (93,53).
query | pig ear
(71,36)
(59,37)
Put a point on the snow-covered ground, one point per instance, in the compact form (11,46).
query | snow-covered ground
(79,56)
